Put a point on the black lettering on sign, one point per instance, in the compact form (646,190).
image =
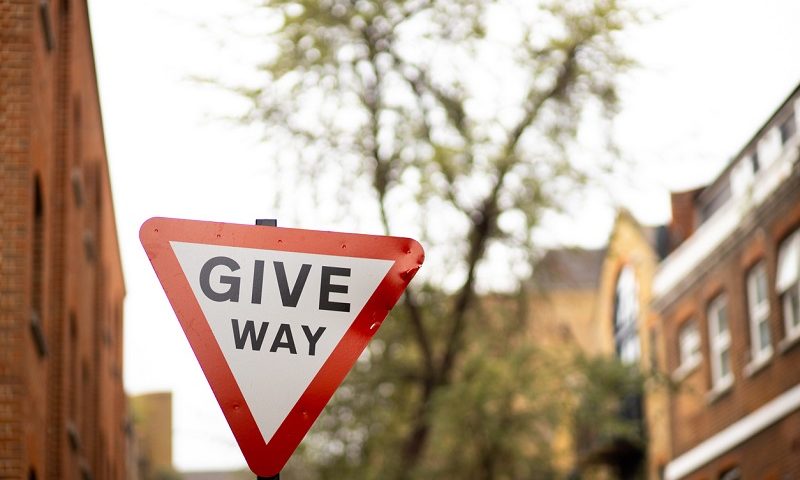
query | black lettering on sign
(232,293)
(326,287)
(283,337)
(240,337)
(313,338)
(284,331)
(290,299)
(258,282)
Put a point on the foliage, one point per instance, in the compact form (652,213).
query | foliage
(458,119)
(610,404)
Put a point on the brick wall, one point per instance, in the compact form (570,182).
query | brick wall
(62,405)
(15,99)
(773,454)
(684,216)
(697,412)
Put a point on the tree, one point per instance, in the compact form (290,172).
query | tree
(454,121)
(607,420)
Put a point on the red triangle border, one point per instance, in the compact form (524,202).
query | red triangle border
(267,459)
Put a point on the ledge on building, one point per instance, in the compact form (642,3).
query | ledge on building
(758,363)
(719,391)
(686,369)
(789,342)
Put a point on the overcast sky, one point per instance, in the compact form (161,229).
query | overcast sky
(712,72)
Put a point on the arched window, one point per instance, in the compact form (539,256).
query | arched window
(37,248)
(37,273)
(626,314)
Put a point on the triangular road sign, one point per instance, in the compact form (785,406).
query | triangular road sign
(276,317)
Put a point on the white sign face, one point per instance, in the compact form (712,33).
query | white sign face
(276,315)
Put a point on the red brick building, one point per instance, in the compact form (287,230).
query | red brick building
(62,405)
(727,297)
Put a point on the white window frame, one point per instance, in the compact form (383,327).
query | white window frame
(719,343)
(690,352)
(758,314)
(787,283)
(783,127)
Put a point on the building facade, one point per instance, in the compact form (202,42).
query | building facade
(596,302)
(62,404)
(709,309)
(727,299)
(564,301)
(631,333)
(152,425)
(562,307)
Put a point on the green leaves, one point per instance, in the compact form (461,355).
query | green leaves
(609,410)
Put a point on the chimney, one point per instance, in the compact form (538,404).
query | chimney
(684,216)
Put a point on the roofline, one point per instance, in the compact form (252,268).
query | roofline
(105,148)
(753,139)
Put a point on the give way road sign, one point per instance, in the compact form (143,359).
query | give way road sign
(276,317)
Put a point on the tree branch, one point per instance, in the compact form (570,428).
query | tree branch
(536,101)
(423,339)
(483,229)
(421,85)
(381,179)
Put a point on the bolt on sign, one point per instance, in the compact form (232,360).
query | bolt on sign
(276,317)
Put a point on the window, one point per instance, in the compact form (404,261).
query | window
(718,198)
(72,368)
(754,161)
(720,342)
(689,346)
(788,129)
(758,312)
(47,24)
(654,364)
(76,178)
(787,284)
(37,248)
(626,313)
(731,474)
(742,176)
(37,277)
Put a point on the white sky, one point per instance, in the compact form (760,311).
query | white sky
(712,72)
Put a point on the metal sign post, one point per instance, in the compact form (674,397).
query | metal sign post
(268,222)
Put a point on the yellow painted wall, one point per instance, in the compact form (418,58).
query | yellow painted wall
(567,320)
(152,414)
(629,245)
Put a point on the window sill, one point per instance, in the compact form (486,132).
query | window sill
(685,369)
(719,391)
(789,342)
(758,363)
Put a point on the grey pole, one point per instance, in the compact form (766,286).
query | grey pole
(268,222)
